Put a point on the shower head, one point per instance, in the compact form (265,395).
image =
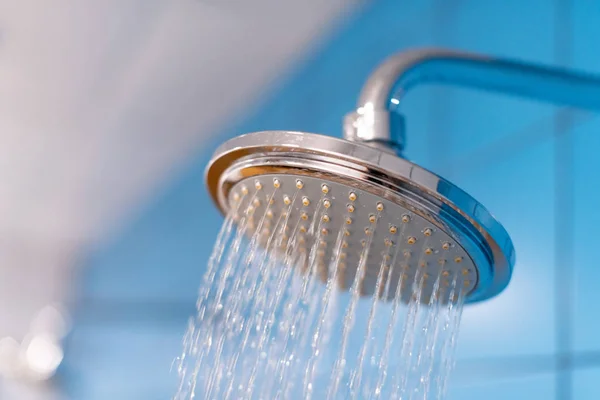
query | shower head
(344,197)
(354,208)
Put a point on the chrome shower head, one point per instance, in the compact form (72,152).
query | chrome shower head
(344,196)
(360,208)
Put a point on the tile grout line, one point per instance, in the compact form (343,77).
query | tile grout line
(563,212)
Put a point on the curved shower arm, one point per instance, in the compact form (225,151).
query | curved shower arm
(376,120)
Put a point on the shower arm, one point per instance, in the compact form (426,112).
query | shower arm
(377,121)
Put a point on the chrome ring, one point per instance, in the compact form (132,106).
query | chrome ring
(381,173)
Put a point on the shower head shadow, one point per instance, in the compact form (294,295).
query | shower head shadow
(358,211)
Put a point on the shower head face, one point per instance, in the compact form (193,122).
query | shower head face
(347,211)
(352,231)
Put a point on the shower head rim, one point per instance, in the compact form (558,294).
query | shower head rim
(300,145)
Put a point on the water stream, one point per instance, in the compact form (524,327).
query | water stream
(279,328)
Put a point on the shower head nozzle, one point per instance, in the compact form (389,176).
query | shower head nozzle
(361,208)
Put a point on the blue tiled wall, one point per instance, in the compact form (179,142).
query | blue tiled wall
(586,142)
(537,386)
(586,384)
(139,289)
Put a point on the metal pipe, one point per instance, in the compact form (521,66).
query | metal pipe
(377,122)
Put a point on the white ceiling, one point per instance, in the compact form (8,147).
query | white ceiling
(101,101)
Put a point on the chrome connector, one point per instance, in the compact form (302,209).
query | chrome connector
(378,128)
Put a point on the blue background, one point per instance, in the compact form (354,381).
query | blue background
(534,166)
